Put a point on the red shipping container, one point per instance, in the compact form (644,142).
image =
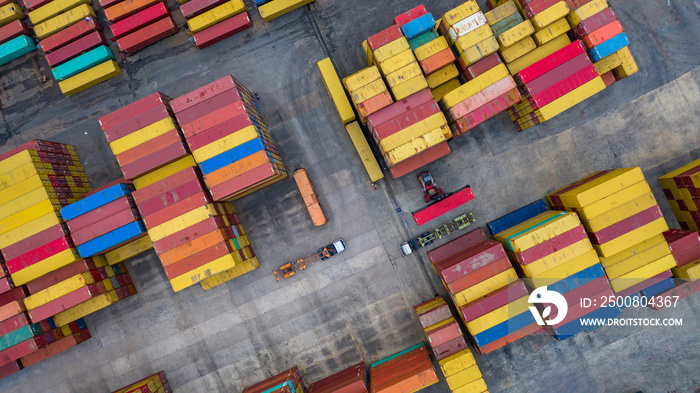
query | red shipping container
(17,351)
(480,98)
(136,153)
(644,284)
(255,188)
(534,7)
(75,48)
(172,197)
(396,109)
(248,179)
(557,74)
(108,224)
(503,341)
(177,209)
(197,259)
(217,132)
(410,15)
(406,120)
(11,324)
(552,245)
(155,160)
(5,284)
(29,244)
(203,93)
(555,197)
(132,110)
(608,78)
(549,63)
(457,245)
(139,20)
(153,190)
(195,7)
(563,87)
(62,303)
(485,112)
(603,34)
(472,71)
(210,105)
(424,158)
(9,368)
(444,333)
(594,23)
(147,36)
(437,61)
(434,315)
(384,37)
(351,380)
(12,30)
(222,30)
(687,256)
(99,214)
(192,232)
(38,254)
(469,260)
(493,300)
(137,121)
(69,34)
(214,118)
(479,275)
(29,358)
(59,275)
(628,224)
(450,348)
(30,5)
(109,3)
(680,240)
(191,249)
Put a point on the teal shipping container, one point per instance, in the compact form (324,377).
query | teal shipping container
(15,48)
(83,62)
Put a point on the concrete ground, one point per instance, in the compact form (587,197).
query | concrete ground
(358,305)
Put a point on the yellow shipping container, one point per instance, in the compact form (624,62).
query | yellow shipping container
(466,26)
(10,13)
(142,135)
(586,11)
(30,213)
(633,251)
(570,99)
(24,231)
(404,74)
(60,22)
(367,51)
(501,12)
(38,269)
(631,238)
(163,172)
(32,198)
(566,269)
(210,269)
(431,48)
(539,54)
(181,222)
(397,62)
(480,50)
(463,377)
(628,66)
(227,275)
(607,63)
(274,9)
(414,131)
(601,187)
(557,258)
(368,91)
(459,13)
(690,271)
(86,308)
(52,9)
(472,38)
(485,287)
(473,86)
(528,236)
(551,15)
(417,145)
(129,250)
(645,257)
(551,32)
(361,78)
(391,49)
(226,143)
(518,50)
(89,78)
(335,90)
(362,147)
(453,364)
(501,314)
(620,213)
(56,291)
(613,200)
(215,15)
(478,386)
(442,76)
(409,87)
(445,88)
(515,34)
(34,189)
(643,273)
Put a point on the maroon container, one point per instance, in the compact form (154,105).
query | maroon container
(217,132)
(552,245)
(481,66)
(222,30)
(351,380)
(563,87)
(13,323)
(59,275)
(687,256)
(456,246)
(139,20)
(107,224)
(470,260)
(435,315)
(171,197)
(406,120)
(12,30)
(130,111)
(69,34)
(594,23)
(153,190)
(203,93)
(30,5)
(140,151)
(100,213)
(147,36)
(75,48)
(680,240)
(396,109)
(450,348)
(424,158)
(214,118)
(17,351)
(627,225)
(208,106)
(534,7)
(155,160)
(384,37)
(558,74)
(196,7)
(61,304)
(26,245)
(176,209)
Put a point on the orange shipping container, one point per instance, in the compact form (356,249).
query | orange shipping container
(308,193)
(126,8)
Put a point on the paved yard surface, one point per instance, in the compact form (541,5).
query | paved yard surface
(357,306)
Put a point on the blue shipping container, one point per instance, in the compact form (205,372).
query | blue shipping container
(15,48)
(418,26)
(83,62)
(505,328)
(94,201)
(609,47)
(518,216)
(576,280)
(111,239)
(233,155)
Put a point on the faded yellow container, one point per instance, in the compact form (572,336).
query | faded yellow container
(215,15)
(89,78)
(60,22)
(142,135)
(518,50)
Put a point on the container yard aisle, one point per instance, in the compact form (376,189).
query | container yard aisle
(358,305)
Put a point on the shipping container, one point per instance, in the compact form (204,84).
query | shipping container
(148,35)
(222,30)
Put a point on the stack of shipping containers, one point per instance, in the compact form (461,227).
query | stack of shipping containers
(685,247)
(308,195)
(436,59)
(195,238)
(626,227)
(156,383)
(229,139)
(73,44)
(351,380)
(483,285)
(406,371)
(368,92)
(212,21)
(15,39)
(447,342)
(552,250)
(682,190)
(286,381)
(136,24)
(271,9)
